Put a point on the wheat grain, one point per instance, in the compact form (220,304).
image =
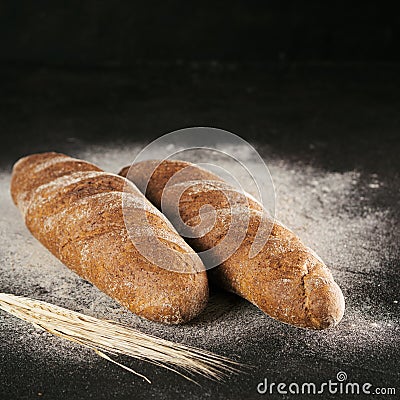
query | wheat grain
(105,336)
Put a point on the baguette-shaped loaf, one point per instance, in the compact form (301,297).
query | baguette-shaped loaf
(76,211)
(286,279)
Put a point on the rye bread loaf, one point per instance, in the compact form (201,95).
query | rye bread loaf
(286,279)
(75,210)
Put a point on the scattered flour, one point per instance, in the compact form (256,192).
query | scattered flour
(323,208)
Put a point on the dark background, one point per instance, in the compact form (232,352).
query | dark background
(312,81)
(120,33)
(286,73)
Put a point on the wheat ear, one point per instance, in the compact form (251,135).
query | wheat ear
(104,336)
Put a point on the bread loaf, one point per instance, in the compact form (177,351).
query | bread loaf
(76,210)
(286,279)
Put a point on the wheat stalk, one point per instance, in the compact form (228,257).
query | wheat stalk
(105,336)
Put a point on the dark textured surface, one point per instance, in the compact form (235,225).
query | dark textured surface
(332,124)
(340,117)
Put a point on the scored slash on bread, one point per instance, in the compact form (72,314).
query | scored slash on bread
(76,211)
(285,279)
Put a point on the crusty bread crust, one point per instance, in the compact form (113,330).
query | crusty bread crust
(76,211)
(286,279)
